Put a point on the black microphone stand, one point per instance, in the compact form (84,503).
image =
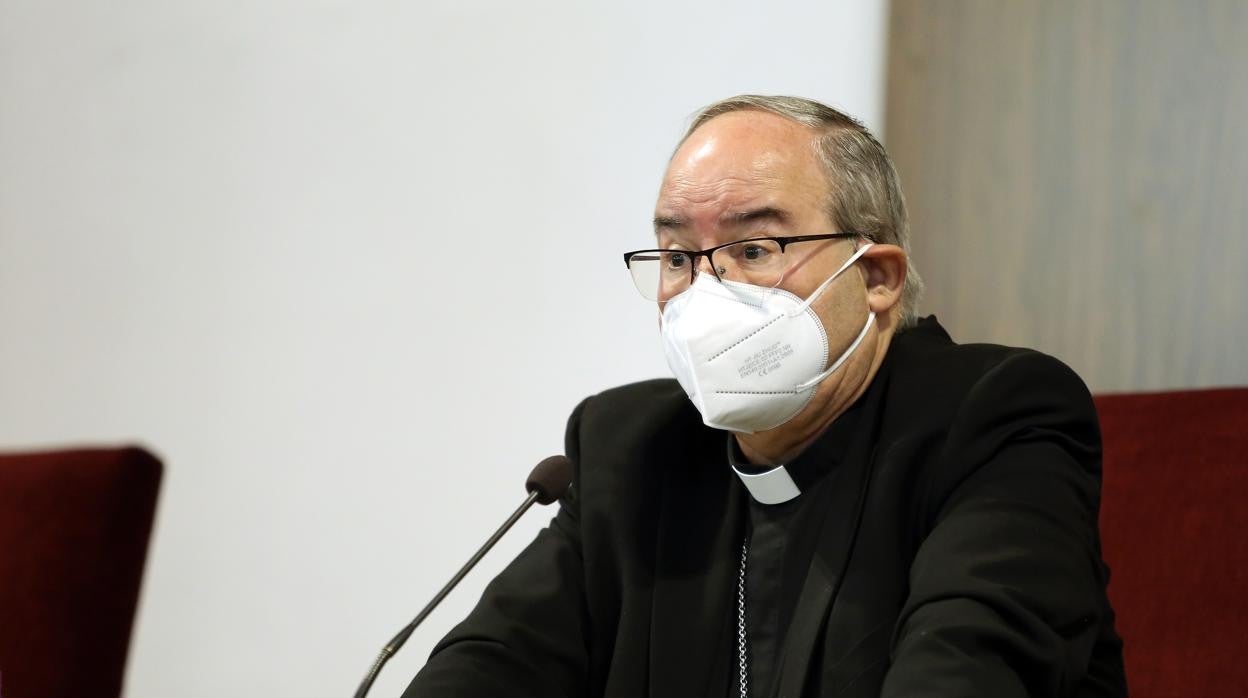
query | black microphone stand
(393,646)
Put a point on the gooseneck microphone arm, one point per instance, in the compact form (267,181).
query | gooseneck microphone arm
(548,482)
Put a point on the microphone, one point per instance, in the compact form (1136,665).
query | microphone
(549,481)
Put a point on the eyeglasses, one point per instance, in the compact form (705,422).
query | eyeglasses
(661,274)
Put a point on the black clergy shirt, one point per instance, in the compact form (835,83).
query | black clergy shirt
(782,539)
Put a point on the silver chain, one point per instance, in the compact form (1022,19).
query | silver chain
(742,645)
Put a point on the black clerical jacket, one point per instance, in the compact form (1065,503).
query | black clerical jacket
(959,554)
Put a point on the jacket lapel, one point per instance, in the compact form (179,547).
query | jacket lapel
(832,553)
(699,539)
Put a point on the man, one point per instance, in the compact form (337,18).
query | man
(835,499)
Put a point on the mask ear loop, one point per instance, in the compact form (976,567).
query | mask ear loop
(861,335)
(848,352)
(823,286)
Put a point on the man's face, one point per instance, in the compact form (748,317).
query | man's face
(748,174)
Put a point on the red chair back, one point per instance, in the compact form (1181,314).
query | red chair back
(1174,524)
(74,528)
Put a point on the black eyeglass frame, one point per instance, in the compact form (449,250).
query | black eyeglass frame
(710,251)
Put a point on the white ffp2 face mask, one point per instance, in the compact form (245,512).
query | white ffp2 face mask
(749,357)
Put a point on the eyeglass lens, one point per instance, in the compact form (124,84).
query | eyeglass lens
(659,275)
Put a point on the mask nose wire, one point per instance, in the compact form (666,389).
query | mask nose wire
(823,286)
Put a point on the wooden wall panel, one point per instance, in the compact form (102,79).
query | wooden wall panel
(1077,175)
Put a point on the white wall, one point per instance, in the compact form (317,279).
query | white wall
(346,267)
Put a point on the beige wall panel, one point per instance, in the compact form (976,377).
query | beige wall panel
(1077,176)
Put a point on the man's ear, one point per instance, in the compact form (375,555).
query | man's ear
(885,275)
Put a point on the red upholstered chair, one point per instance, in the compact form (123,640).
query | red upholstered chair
(74,528)
(1174,521)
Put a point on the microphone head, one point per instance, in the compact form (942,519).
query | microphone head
(550,479)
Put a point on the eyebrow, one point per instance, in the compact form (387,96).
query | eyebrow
(765,213)
(754,215)
(669,223)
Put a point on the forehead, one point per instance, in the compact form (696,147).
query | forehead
(741,159)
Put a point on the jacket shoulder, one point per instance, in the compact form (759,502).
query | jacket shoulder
(952,409)
(931,377)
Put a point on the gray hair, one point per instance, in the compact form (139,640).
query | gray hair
(864,191)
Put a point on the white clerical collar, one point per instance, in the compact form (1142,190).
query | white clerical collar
(775,486)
